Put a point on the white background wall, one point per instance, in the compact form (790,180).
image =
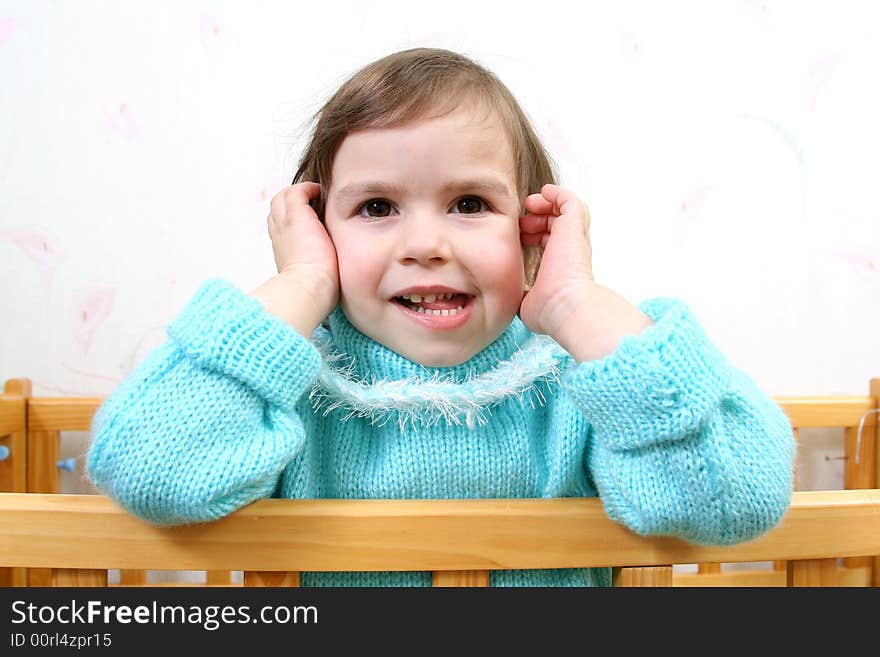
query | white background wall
(727,151)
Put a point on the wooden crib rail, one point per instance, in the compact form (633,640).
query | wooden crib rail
(83,535)
(813,412)
(13,437)
(31,428)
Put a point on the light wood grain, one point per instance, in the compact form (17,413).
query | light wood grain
(654,576)
(13,435)
(78,577)
(461,540)
(218,578)
(310,535)
(811,412)
(43,449)
(460,578)
(875,400)
(255,578)
(13,469)
(860,471)
(12,414)
(62,413)
(128,577)
(851,577)
(812,572)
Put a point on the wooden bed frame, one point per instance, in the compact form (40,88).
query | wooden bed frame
(49,539)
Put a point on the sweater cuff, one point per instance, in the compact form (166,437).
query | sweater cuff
(657,386)
(224,330)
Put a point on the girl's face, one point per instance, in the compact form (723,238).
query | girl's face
(421,209)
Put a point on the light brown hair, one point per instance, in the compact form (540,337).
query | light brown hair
(424,83)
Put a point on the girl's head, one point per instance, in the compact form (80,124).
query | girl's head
(425,161)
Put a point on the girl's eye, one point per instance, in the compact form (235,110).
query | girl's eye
(382,208)
(474,202)
(372,204)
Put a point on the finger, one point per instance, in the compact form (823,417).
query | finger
(533,223)
(537,224)
(311,189)
(277,208)
(565,201)
(537,204)
(297,197)
(528,239)
(559,197)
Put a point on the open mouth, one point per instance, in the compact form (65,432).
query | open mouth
(435,305)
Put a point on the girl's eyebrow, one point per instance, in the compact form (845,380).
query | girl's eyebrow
(378,187)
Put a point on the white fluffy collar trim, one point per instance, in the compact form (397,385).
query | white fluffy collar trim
(540,360)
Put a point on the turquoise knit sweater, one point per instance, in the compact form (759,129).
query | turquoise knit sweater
(238,406)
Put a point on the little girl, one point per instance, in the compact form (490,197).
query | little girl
(434,331)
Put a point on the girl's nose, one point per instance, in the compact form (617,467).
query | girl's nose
(424,240)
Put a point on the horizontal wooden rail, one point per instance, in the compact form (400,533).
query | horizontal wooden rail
(810,412)
(62,413)
(90,531)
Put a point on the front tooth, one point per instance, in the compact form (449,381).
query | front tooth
(415,298)
(430,298)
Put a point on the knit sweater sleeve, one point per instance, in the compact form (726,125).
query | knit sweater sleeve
(683,444)
(206,423)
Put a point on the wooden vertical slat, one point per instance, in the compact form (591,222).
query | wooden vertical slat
(875,395)
(13,470)
(633,577)
(218,577)
(860,472)
(42,477)
(39,577)
(128,577)
(78,577)
(812,572)
(453,578)
(260,578)
(42,457)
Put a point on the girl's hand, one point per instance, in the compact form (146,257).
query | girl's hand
(566,303)
(306,289)
(299,240)
(560,223)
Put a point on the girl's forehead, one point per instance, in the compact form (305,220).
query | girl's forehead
(453,142)
(452,126)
